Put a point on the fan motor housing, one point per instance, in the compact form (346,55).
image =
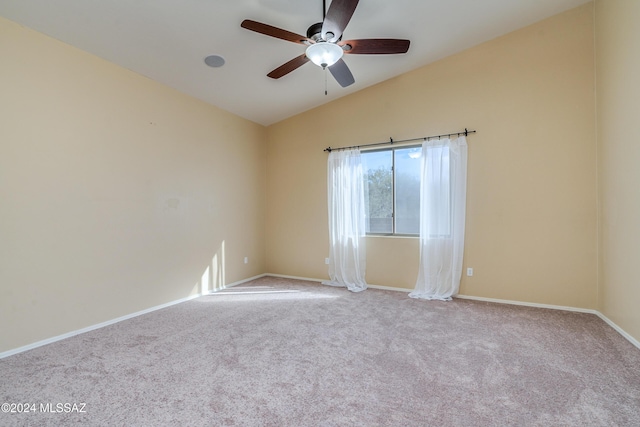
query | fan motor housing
(315,31)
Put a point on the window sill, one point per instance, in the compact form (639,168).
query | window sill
(394,236)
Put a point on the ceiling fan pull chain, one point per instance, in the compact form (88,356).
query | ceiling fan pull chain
(325,81)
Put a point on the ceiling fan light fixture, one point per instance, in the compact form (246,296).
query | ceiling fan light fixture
(324,54)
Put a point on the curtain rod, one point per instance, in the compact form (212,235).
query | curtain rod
(391,141)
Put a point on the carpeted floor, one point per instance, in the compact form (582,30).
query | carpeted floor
(280,352)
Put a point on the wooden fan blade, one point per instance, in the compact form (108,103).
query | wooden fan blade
(341,73)
(337,18)
(375,46)
(272,31)
(288,67)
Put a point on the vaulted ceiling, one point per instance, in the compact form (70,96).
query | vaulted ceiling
(168,40)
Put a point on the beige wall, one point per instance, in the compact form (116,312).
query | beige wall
(119,194)
(531,203)
(116,193)
(618,71)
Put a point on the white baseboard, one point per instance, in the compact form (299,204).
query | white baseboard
(309,279)
(617,328)
(93,327)
(239,282)
(528,304)
(8,353)
(608,321)
(111,322)
(390,288)
(284,276)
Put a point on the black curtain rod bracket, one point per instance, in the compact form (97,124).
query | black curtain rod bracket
(391,141)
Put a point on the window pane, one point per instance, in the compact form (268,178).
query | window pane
(378,191)
(407,181)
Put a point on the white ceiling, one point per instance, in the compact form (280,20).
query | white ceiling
(167,41)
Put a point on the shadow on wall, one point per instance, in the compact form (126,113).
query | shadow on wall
(213,278)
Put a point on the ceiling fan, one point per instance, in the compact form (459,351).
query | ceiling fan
(325,46)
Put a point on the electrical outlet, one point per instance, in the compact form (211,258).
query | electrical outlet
(246,260)
(326,261)
(469,271)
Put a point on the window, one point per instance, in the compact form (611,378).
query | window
(392,190)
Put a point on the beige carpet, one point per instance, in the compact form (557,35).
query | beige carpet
(278,352)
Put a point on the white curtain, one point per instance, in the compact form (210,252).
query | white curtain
(443,192)
(346,220)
